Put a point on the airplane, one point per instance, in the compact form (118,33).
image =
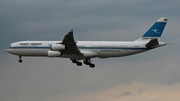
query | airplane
(86,50)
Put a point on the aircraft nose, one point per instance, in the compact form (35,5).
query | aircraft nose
(8,49)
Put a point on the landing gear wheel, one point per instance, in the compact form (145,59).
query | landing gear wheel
(86,62)
(79,64)
(20,61)
(92,65)
(74,61)
(89,62)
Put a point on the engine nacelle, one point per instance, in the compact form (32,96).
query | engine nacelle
(53,53)
(57,47)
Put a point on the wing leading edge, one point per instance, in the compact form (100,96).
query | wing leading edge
(70,44)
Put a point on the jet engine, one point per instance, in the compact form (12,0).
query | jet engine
(53,53)
(57,47)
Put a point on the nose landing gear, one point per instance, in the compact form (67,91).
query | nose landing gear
(20,60)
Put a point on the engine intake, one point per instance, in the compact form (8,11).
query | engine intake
(53,53)
(57,47)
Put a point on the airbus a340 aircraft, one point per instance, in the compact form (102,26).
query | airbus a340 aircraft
(85,50)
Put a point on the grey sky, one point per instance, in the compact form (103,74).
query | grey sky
(54,79)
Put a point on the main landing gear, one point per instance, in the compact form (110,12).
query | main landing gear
(89,62)
(86,61)
(20,60)
(77,62)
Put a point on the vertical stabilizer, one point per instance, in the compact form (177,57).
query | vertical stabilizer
(156,30)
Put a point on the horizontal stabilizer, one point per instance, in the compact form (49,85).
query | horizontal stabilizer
(152,43)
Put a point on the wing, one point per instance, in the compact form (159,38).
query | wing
(70,44)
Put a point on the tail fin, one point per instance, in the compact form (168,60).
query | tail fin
(156,30)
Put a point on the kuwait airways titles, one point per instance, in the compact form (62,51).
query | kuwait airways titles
(30,44)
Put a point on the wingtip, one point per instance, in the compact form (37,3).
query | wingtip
(71,30)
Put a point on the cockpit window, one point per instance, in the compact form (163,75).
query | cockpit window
(9,45)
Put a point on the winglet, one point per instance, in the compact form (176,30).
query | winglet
(71,30)
(68,38)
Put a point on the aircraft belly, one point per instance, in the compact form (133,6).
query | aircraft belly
(117,53)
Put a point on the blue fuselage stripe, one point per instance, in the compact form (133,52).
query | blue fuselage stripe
(117,48)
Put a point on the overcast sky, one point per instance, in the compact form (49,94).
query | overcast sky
(149,76)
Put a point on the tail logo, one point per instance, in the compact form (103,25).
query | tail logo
(156,31)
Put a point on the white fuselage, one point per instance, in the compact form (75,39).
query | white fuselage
(85,50)
(91,49)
